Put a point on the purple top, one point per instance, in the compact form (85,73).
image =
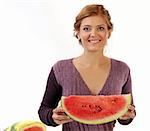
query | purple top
(64,80)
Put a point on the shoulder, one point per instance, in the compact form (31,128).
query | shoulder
(120,70)
(63,62)
(62,65)
(61,69)
(120,65)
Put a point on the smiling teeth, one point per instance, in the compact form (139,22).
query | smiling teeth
(94,41)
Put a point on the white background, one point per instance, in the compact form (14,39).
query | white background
(34,34)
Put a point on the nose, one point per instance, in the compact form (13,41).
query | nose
(93,32)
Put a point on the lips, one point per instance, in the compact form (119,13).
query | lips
(94,41)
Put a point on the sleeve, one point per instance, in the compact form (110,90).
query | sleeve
(127,88)
(50,100)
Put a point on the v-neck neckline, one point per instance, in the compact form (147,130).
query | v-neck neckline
(100,92)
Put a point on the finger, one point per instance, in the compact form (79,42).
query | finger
(60,117)
(131,107)
(128,115)
(132,114)
(66,121)
(125,116)
(58,110)
(58,122)
(63,121)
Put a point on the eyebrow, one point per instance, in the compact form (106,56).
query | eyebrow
(91,26)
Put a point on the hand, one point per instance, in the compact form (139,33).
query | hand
(129,114)
(60,117)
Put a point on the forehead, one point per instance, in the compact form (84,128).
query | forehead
(93,21)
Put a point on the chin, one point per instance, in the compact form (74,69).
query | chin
(96,49)
(93,50)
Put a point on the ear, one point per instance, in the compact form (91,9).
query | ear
(77,35)
(109,33)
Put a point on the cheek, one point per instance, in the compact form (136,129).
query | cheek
(107,35)
(84,37)
(103,34)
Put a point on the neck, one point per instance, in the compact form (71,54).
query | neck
(92,59)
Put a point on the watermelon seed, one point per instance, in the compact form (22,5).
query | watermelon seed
(83,105)
(94,108)
(99,106)
(100,109)
(114,101)
(90,106)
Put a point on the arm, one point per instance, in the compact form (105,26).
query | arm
(128,117)
(50,100)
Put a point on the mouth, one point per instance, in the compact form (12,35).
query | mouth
(94,41)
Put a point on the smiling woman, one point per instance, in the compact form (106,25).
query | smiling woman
(91,11)
(93,33)
(91,73)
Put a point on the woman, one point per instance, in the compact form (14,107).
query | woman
(92,73)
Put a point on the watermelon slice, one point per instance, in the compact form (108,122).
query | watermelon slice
(95,109)
(27,126)
(8,129)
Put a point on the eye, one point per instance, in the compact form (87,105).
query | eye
(86,29)
(101,28)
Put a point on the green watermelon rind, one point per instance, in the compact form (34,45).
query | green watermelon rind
(19,126)
(104,120)
(8,129)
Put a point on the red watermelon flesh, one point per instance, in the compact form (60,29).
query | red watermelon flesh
(28,125)
(35,128)
(96,109)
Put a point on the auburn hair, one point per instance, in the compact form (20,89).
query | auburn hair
(92,10)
